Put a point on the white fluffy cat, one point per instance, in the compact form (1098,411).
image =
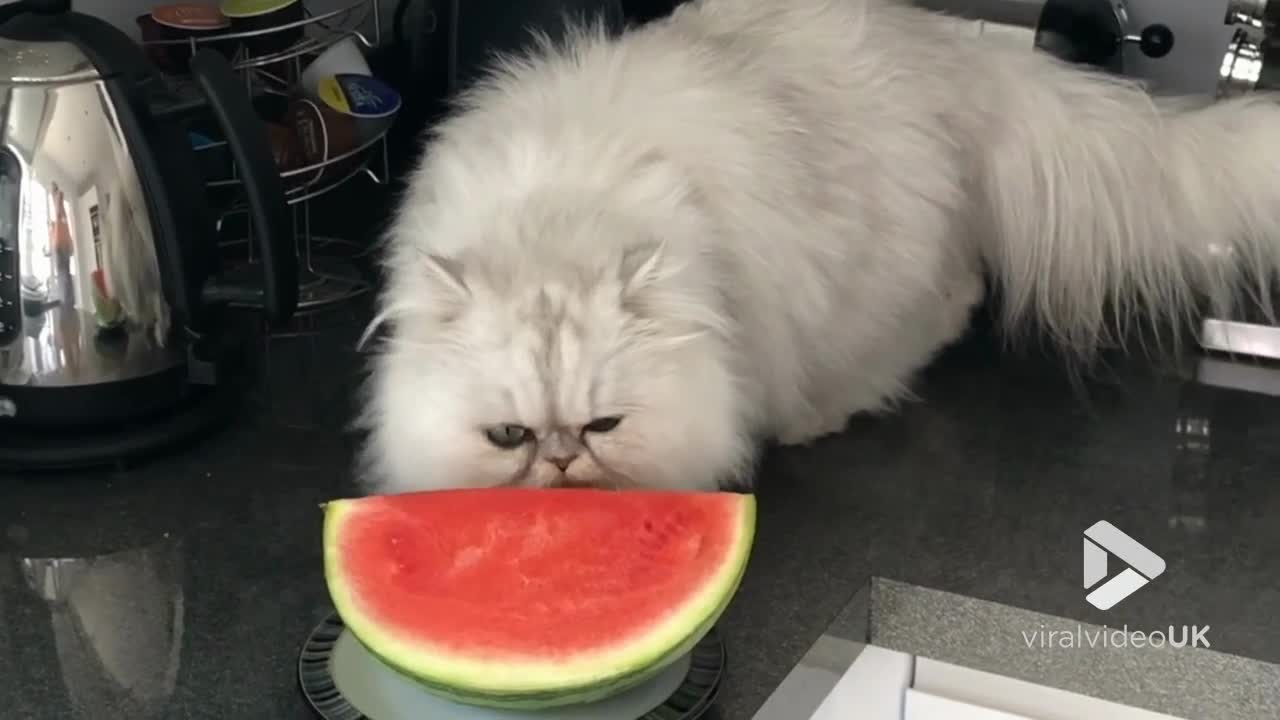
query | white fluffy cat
(630,261)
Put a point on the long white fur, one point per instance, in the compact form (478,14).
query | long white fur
(758,217)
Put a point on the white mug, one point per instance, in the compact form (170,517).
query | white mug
(341,57)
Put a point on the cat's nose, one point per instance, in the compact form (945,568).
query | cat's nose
(563,461)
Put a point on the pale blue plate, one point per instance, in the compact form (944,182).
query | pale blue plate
(343,681)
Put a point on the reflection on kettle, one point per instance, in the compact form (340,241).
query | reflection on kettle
(87,260)
(127,287)
(117,624)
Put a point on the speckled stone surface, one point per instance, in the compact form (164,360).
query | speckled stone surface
(1193,681)
(183,588)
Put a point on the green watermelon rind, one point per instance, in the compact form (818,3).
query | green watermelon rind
(544,701)
(442,676)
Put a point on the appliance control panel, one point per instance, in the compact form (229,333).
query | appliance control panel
(10,281)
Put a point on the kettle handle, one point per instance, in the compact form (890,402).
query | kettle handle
(269,213)
(39,7)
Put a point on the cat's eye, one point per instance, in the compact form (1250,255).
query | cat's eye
(509,437)
(602,425)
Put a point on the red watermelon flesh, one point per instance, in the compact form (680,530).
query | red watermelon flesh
(530,597)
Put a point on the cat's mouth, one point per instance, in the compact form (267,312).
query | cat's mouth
(605,483)
(601,481)
(587,472)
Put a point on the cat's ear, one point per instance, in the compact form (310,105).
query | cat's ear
(450,292)
(446,278)
(642,266)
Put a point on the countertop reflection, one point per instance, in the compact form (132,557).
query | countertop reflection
(184,587)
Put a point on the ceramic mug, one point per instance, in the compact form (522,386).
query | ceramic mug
(183,21)
(371,103)
(323,135)
(340,58)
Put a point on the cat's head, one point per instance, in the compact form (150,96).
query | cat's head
(594,363)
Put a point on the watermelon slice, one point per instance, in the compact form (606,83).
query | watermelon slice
(528,598)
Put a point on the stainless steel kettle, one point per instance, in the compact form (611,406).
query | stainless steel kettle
(110,291)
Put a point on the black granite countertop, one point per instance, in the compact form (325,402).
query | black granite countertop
(183,588)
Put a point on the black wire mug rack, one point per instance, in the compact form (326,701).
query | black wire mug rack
(328,269)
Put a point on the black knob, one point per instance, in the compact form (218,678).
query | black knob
(1156,41)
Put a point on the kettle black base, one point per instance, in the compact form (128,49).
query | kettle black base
(204,411)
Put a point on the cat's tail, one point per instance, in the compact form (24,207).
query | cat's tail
(1102,203)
